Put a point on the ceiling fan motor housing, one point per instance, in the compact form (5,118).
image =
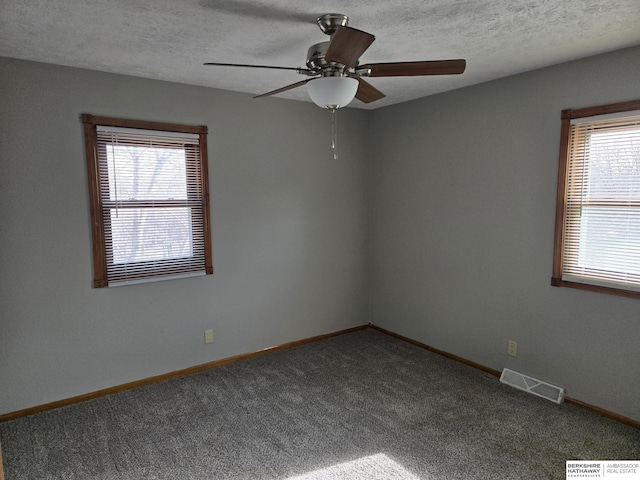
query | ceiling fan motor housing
(316,54)
(318,65)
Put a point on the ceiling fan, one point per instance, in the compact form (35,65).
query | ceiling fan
(336,77)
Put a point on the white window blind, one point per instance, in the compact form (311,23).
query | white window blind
(602,211)
(149,201)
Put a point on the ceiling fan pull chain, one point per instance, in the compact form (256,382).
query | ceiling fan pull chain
(334,132)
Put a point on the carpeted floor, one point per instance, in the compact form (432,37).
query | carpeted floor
(362,405)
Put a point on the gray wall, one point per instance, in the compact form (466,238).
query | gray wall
(463,191)
(289,234)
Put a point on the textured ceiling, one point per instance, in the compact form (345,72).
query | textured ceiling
(171,39)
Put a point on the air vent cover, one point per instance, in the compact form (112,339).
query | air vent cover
(532,385)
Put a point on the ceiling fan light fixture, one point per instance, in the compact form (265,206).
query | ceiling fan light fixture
(332,92)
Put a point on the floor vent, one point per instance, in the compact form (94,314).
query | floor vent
(532,385)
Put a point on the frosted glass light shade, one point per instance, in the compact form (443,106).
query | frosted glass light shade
(332,92)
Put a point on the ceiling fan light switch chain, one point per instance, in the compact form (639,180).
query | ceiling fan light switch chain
(334,132)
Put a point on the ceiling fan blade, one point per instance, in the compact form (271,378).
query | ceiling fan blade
(347,44)
(367,93)
(297,69)
(411,69)
(284,89)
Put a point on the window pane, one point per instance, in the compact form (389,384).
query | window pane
(613,165)
(146,173)
(145,234)
(609,240)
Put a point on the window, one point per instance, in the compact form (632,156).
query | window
(597,239)
(149,196)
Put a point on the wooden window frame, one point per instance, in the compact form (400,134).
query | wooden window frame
(98,227)
(561,199)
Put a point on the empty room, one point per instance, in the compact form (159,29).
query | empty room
(415,255)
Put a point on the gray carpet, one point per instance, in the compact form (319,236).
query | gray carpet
(362,406)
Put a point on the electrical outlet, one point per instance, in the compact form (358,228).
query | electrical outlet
(208,336)
(512,348)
